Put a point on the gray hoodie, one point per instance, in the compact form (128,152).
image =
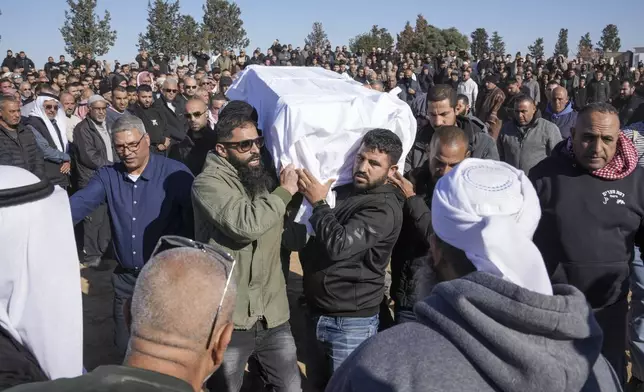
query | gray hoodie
(524,147)
(482,333)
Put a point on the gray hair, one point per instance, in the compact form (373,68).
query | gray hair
(128,122)
(169,306)
(168,81)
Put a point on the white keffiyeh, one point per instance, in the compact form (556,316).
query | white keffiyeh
(61,120)
(490,210)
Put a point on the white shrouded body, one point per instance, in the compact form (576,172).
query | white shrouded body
(316,118)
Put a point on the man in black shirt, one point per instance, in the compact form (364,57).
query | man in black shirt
(17,143)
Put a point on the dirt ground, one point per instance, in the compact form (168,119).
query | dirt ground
(99,348)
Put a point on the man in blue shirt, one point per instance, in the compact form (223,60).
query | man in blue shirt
(148,196)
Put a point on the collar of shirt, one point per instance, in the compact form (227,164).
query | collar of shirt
(147,174)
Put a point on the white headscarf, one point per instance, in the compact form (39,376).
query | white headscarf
(40,286)
(61,120)
(490,210)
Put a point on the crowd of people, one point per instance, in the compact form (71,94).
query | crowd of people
(512,231)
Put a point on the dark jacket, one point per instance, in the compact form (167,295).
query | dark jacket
(112,378)
(598,91)
(487,109)
(410,252)
(25,63)
(17,364)
(52,169)
(9,62)
(162,62)
(344,265)
(90,152)
(588,226)
(177,124)
(580,98)
(22,152)
(481,144)
(485,334)
(631,106)
(565,120)
(154,121)
(202,59)
(405,85)
(194,148)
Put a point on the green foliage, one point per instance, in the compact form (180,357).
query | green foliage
(189,36)
(84,31)
(317,38)
(163,22)
(427,39)
(561,47)
(479,42)
(497,46)
(585,47)
(536,50)
(222,25)
(610,41)
(375,38)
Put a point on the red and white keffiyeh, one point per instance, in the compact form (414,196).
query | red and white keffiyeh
(622,164)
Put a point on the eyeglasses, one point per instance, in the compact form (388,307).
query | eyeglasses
(51,107)
(170,90)
(174,241)
(190,87)
(245,145)
(193,115)
(130,147)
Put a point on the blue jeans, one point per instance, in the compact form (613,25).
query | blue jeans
(636,317)
(339,336)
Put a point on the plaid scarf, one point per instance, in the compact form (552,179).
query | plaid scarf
(622,164)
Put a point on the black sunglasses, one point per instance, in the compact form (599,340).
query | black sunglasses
(174,241)
(245,145)
(170,90)
(193,115)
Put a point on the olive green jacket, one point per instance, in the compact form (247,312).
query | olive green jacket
(251,231)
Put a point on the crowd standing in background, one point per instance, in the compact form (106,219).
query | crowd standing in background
(154,157)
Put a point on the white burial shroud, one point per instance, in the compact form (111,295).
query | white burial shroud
(316,118)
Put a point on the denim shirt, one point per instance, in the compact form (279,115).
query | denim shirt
(157,204)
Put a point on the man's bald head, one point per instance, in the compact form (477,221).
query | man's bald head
(169,307)
(449,146)
(197,114)
(559,99)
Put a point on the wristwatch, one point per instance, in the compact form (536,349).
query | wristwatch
(319,203)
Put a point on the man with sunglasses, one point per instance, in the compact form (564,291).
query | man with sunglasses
(174,347)
(147,196)
(189,88)
(199,140)
(173,108)
(239,207)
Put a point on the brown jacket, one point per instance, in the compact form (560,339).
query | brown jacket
(487,108)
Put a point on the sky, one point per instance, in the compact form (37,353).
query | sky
(33,26)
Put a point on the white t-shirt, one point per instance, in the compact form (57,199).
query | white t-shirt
(134,177)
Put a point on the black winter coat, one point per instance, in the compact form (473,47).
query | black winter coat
(192,151)
(177,124)
(588,226)
(22,152)
(90,152)
(9,62)
(52,169)
(154,121)
(344,265)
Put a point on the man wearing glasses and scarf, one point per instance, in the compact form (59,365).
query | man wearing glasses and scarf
(147,196)
(239,207)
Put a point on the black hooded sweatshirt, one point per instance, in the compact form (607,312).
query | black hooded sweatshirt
(588,226)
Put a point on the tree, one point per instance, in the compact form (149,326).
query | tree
(427,38)
(561,47)
(189,36)
(497,46)
(222,25)
(536,49)
(405,38)
(454,40)
(585,47)
(610,41)
(161,34)
(317,38)
(375,38)
(84,31)
(479,42)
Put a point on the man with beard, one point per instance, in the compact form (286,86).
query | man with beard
(631,98)
(147,196)
(69,106)
(560,111)
(527,139)
(93,150)
(436,109)
(489,104)
(26,94)
(199,140)
(448,147)
(132,96)
(18,145)
(494,323)
(344,264)
(173,110)
(593,209)
(238,207)
(118,106)
(154,120)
